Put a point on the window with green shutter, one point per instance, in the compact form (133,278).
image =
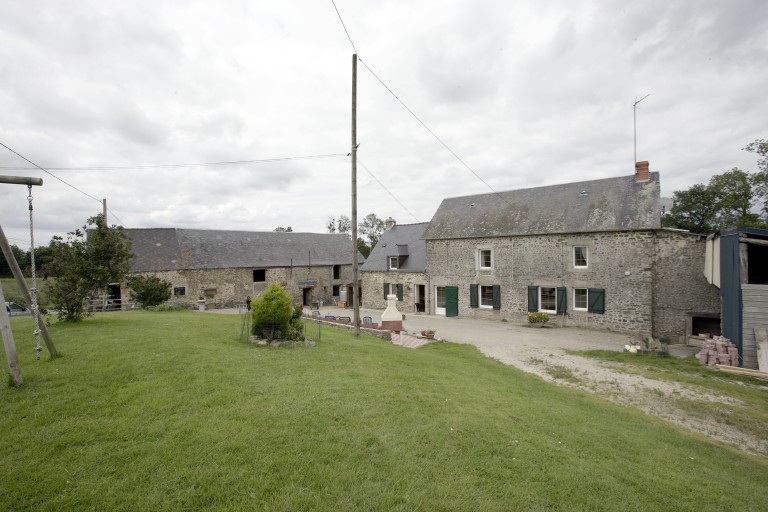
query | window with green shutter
(386,290)
(562,300)
(533,298)
(399,291)
(596,298)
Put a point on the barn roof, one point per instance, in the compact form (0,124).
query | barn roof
(403,237)
(611,204)
(159,249)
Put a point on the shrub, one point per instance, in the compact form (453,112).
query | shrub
(537,317)
(272,312)
(149,290)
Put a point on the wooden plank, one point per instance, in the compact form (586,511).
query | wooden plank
(761,336)
(10,346)
(742,371)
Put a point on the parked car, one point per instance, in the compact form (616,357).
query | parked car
(14,309)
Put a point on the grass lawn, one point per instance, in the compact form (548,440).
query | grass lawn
(168,411)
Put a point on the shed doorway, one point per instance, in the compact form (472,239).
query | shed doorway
(306,296)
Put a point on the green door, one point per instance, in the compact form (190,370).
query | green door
(451,301)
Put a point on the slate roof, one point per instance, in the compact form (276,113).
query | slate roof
(611,204)
(404,234)
(159,249)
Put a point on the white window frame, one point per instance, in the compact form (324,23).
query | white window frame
(586,256)
(553,311)
(586,300)
(480,252)
(480,296)
(396,261)
(440,310)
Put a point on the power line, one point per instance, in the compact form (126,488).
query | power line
(49,173)
(61,180)
(388,191)
(431,132)
(172,166)
(343,25)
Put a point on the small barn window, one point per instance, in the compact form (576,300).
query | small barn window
(179,291)
(259,275)
(337,271)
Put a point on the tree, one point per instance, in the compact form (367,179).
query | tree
(82,264)
(734,199)
(693,209)
(281,229)
(149,290)
(726,201)
(272,311)
(760,178)
(342,225)
(371,229)
(21,259)
(364,249)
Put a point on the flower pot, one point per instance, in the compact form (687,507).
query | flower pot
(536,324)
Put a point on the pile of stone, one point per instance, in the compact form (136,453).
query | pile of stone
(719,350)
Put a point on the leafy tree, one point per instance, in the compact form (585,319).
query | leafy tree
(734,198)
(272,311)
(281,229)
(693,209)
(725,201)
(760,178)
(364,249)
(371,229)
(21,259)
(149,290)
(84,264)
(340,225)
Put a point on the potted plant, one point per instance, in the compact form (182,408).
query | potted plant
(428,333)
(537,318)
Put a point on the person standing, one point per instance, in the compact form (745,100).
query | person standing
(248,303)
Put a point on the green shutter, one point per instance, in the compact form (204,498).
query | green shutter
(562,300)
(451,301)
(399,291)
(533,298)
(496,296)
(473,296)
(596,300)
(386,290)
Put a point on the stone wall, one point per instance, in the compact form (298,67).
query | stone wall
(373,289)
(226,288)
(681,286)
(652,279)
(618,262)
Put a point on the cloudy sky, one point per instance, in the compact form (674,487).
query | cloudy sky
(112,97)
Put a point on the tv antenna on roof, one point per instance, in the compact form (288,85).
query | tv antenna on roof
(634,117)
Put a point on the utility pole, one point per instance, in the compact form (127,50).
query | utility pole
(104,212)
(634,118)
(355,291)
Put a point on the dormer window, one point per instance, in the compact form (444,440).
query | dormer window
(393,262)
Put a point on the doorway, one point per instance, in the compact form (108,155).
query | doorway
(420,298)
(306,296)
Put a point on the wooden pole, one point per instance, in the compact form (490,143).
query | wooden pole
(24,290)
(355,294)
(104,212)
(10,347)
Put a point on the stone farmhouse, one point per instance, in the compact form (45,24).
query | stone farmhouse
(396,265)
(225,267)
(592,252)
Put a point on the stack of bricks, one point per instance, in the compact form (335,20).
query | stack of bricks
(719,350)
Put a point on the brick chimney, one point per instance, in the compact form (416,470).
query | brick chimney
(641,171)
(389,223)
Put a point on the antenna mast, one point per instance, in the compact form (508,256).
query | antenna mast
(634,118)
